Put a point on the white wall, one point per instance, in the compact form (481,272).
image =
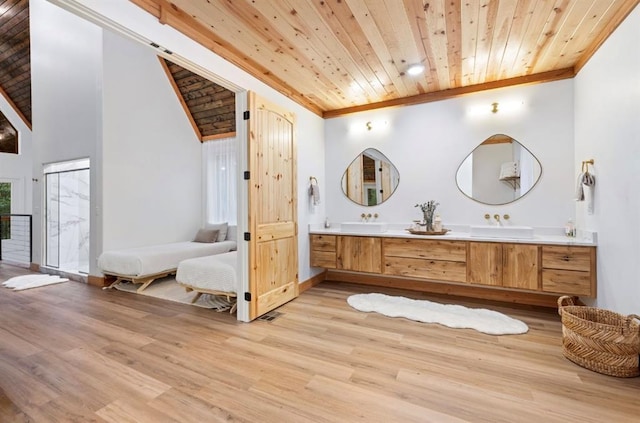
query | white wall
(66,81)
(151,169)
(16,168)
(607,122)
(427,143)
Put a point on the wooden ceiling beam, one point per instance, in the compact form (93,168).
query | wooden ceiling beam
(187,112)
(455,92)
(218,136)
(15,108)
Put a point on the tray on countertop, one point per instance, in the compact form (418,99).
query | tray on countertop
(415,232)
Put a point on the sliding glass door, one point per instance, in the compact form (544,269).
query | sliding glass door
(67,216)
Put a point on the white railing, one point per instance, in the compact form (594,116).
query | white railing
(15,238)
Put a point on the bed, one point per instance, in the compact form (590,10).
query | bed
(143,265)
(213,275)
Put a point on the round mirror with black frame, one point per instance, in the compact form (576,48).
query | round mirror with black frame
(370,179)
(498,171)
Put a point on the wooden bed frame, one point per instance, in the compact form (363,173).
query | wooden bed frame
(145,280)
(201,291)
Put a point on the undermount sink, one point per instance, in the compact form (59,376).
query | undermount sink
(487,231)
(364,227)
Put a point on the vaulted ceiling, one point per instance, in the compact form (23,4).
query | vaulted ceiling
(15,61)
(209,107)
(339,56)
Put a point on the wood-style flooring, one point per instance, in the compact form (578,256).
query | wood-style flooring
(75,353)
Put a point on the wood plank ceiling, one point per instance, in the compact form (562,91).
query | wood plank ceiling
(339,56)
(15,61)
(209,107)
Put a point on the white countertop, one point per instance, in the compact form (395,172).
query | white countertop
(552,236)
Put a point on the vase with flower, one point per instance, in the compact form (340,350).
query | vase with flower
(428,210)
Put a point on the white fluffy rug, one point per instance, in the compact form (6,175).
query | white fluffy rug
(168,289)
(451,315)
(20,283)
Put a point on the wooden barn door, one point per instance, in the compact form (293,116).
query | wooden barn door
(273,222)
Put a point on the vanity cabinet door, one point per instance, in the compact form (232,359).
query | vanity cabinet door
(521,266)
(323,251)
(484,266)
(359,254)
(506,265)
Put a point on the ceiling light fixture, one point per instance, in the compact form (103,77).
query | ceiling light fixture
(416,69)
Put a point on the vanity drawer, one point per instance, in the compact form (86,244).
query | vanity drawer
(567,282)
(425,249)
(568,258)
(326,259)
(451,271)
(323,243)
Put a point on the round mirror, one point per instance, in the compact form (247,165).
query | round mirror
(370,179)
(498,171)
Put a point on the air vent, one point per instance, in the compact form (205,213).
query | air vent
(270,316)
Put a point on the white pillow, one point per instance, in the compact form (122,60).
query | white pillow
(222,229)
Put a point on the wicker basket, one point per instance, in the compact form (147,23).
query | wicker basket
(600,340)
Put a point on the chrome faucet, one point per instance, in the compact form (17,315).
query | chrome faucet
(497,218)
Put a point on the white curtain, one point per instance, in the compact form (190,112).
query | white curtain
(220,187)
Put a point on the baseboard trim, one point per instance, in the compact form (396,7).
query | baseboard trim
(98,281)
(447,288)
(311,282)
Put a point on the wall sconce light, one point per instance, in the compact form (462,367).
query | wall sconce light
(369,126)
(494,107)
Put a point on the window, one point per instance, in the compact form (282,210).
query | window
(8,136)
(220,185)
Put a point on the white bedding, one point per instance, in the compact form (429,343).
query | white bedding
(216,273)
(155,259)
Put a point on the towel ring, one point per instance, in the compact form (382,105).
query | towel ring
(585,165)
(313,178)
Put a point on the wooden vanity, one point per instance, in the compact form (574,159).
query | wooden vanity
(529,273)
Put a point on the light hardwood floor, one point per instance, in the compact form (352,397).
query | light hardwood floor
(75,353)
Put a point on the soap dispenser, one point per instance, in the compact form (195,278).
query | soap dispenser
(327,224)
(437,223)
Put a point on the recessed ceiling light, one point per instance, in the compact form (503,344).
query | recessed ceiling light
(415,69)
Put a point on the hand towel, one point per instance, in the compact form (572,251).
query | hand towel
(579,188)
(589,181)
(314,192)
